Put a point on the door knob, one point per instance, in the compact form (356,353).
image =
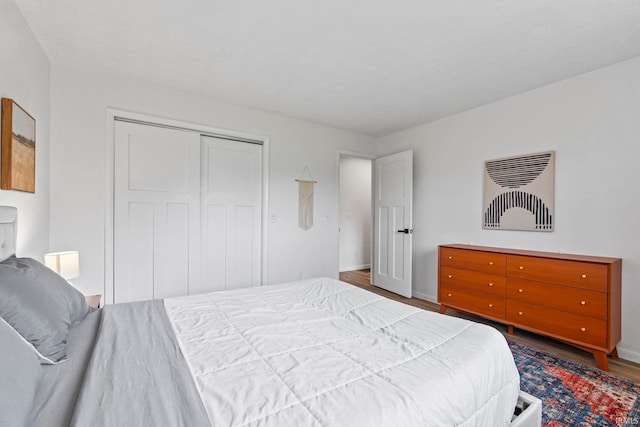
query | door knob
(406,231)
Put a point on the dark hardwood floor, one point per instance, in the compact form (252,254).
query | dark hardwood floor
(620,367)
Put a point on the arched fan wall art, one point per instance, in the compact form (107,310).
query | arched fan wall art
(518,193)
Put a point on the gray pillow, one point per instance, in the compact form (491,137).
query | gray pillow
(39,304)
(20,372)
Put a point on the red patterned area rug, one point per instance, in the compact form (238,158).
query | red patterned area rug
(573,394)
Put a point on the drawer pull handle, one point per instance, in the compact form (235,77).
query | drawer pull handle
(583,303)
(520,291)
(520,313)
(583,329)
(450,276)
(448,295)
(520,267)
(490,262)
(450,257)
(490,285)
(584,276)
(490,305)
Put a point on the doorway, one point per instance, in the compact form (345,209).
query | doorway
(389,221)
(355,217)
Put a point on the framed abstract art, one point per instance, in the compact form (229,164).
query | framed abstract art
(519,193)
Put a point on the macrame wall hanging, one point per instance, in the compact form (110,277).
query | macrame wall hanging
(305,200)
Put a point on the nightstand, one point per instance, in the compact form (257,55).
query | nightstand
(93,300)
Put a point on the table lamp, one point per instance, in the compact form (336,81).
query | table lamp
(66,264)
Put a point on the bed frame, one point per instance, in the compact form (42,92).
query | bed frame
(528,411)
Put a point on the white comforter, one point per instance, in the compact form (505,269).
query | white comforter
(324,353)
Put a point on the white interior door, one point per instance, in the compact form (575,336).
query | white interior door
(393,207)
(231,214)
(156,212)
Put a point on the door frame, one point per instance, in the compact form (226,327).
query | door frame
(372,157)
(113,114)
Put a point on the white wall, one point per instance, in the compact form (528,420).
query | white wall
(79,102)
(355,213)
(593,124)
(24,77)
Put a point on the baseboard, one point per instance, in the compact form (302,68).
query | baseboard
(426,297)
(630,355)
(355,267)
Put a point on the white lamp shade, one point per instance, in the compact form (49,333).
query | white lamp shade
(66,264)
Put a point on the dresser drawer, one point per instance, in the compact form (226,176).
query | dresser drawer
(485,262)
(574,300)
(487,305)
(569,273)
(472,280)
(561,324)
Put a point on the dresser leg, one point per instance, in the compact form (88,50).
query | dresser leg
(614,353)
(601,360)
(510,329)
(443,308)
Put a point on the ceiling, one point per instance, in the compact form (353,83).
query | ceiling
(370,66)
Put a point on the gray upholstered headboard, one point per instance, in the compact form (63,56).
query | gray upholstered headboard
(8,231)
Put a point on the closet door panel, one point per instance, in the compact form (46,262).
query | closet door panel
(214,245)
(156,212)
(232,188)
(243,263)
(176,269)
(139,241)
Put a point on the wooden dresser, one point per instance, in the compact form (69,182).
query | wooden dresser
(573,298)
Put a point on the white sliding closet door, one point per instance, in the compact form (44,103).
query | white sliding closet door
(187,213)
(156,212)
(231,214)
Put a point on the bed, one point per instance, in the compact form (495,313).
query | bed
(316,352)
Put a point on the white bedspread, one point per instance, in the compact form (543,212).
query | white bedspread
(324,353)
